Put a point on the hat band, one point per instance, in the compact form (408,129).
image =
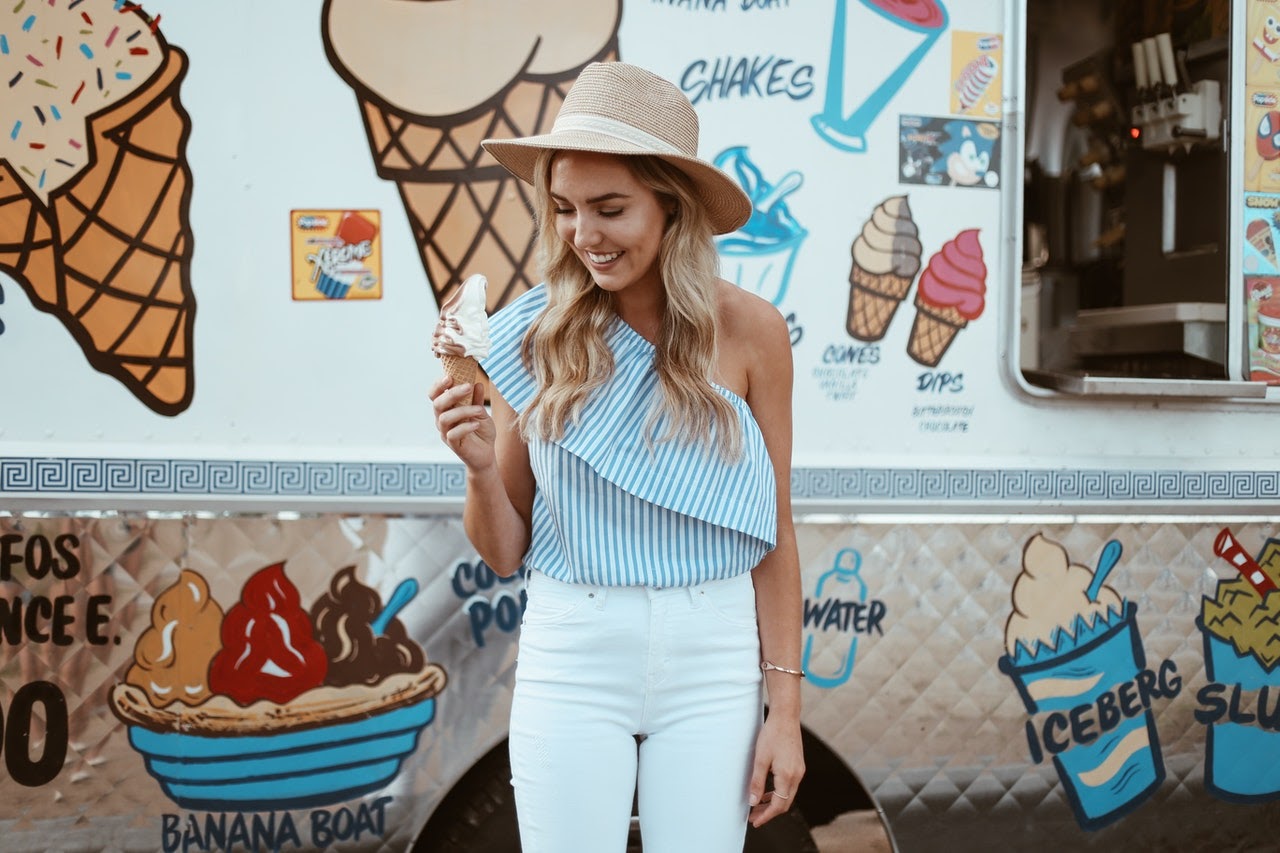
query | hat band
(616,130)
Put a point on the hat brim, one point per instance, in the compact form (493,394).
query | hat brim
(728,206)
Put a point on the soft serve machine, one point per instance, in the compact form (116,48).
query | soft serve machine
(1126,214)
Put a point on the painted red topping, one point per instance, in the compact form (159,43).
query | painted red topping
(268,650)
(925,14)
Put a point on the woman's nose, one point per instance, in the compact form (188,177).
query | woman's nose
(584,234)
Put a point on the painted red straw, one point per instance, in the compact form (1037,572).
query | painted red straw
(1226,547)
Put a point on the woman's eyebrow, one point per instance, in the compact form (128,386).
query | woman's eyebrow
(597,199)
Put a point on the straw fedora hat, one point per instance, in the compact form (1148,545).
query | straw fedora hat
(616,108)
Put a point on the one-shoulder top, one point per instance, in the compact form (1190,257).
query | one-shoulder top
(611,509)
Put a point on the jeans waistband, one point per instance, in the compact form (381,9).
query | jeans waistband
(602,592)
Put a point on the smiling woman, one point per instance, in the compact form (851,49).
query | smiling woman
(637,465)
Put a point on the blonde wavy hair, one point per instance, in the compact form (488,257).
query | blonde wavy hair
(565,350)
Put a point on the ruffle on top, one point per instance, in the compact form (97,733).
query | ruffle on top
(690,479)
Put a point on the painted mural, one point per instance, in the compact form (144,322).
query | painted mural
(95,189)
(1074,652)
(426,112)
(270,706)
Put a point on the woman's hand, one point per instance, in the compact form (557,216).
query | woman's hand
(464,423)
(778,751)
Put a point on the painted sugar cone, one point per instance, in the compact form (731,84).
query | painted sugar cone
(933,332)
(126,300)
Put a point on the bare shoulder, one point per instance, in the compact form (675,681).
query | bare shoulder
(755,342)
(748,320)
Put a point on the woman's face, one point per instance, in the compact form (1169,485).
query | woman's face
(613,222)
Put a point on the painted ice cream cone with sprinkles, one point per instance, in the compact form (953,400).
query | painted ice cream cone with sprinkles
(466,211)
(95,187)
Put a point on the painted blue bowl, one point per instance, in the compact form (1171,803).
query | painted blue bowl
(297,769)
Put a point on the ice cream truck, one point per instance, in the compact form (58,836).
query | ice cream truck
(1027,254)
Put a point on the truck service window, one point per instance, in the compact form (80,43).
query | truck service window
(1128,205)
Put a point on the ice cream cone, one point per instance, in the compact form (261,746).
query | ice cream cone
(466,211)
(114,271)
(1259,235)
(26,236)
(460,368)
(933,331)
(885,259)
(873,299)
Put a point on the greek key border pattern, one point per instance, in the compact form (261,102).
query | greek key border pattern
(1032,484)
(59,477)
(229,478)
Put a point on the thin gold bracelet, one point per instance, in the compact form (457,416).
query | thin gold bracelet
(765,666)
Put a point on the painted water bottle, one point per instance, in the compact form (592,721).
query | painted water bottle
(843,584)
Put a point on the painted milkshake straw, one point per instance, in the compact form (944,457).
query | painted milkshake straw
(1226,547)
(402,595)
(790,182)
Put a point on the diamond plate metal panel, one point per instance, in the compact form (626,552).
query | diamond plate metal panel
(936,731)
(925,717)
(103,797)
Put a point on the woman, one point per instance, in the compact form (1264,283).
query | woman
(637,464)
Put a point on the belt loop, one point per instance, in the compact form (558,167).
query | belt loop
(600,596)
(696,596)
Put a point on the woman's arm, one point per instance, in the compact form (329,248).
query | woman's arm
(777,577)
(500,482)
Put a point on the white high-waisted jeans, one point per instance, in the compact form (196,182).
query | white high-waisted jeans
(598,666)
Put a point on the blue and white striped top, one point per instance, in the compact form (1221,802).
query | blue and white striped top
(610,510)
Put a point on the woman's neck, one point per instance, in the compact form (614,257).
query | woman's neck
(641,311)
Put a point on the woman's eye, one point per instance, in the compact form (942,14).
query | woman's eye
(561,211)
(612,212)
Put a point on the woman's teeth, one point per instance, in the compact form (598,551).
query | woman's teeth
(603,259)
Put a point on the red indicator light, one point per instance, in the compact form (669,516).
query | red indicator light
(1135,132)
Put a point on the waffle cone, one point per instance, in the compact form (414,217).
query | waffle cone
(460,368)
(933,332)
(873,300)
(466,211)
(114,271)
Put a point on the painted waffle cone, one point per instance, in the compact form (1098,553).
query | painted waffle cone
(933,332)
(873,300)
(466,211)
(115,271)
(460,368)
(27,249)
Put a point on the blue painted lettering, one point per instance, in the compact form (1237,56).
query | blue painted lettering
(845,354)
(270,831)
(746,77)
(834,614)
(939,382)
(1084,723)
(503,611)
(368,820)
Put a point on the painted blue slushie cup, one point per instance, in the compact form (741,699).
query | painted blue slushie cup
(1110,776)
(1242,654)
(1070,640)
